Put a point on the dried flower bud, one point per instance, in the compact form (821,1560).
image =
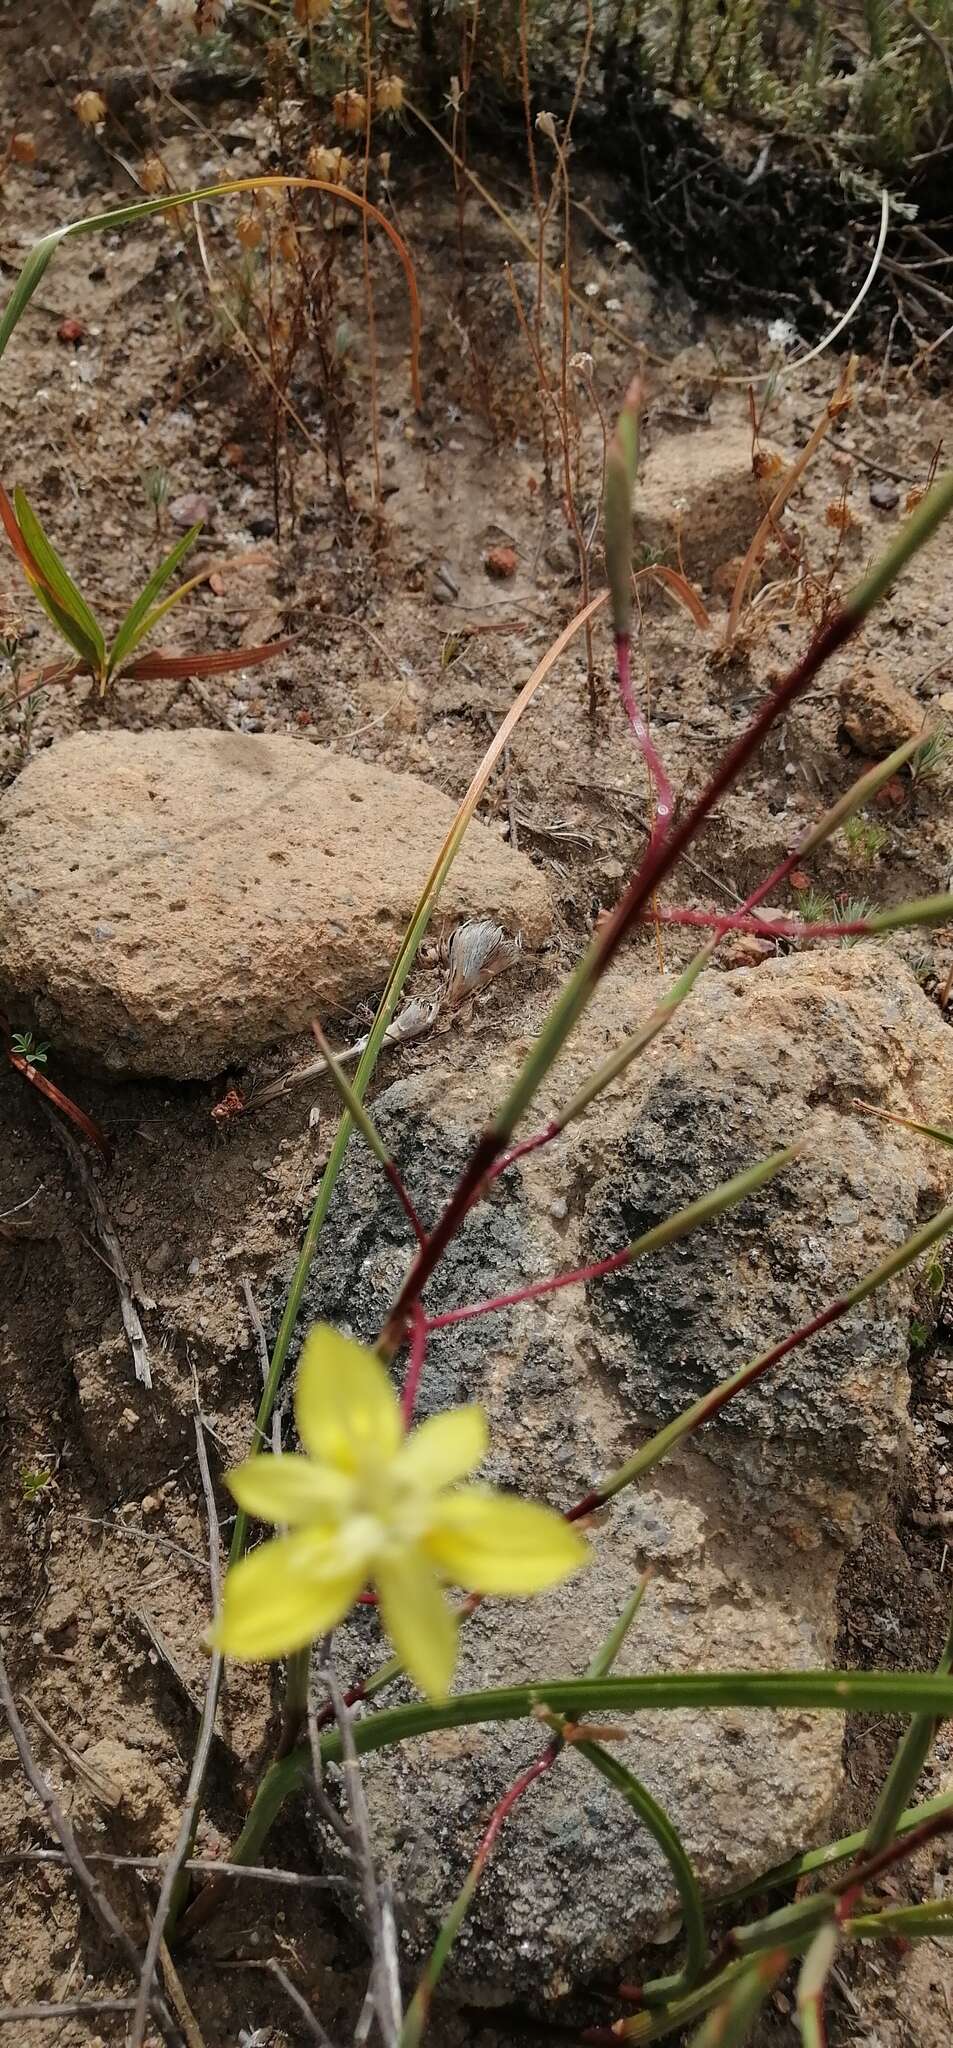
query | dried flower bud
(350,110)
(23,148)
(152,174)
(248,230)
(89,108)
(547,127)
(331,165)
(209,15)
(288,243)
(389,94)
(312,12)
(582,363)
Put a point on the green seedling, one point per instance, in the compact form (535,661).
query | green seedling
(864,839)
(76,623)
(932,758)
(23,1042)
(33,1484)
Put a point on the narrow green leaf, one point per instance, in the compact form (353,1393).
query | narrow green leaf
(812,1985)
(730,2024)
(887,1692)
(664,1832)
(137,620)
(61,585)
(27,282)
(781,1875)
(67,626)
(608,1651)
(908,1762)
(923,910)
(708,1405)
(913,1923)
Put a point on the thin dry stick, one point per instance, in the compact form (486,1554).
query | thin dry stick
(65,2009)
(96,1899)
(385,1981)
(199,1763)
(258,1326)
(111,1246)
(206,1865)
(274,1968)
(831,412)
(366,257)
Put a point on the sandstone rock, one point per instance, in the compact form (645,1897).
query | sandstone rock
(172,901)
(877,713)
(699,498)
(745,1528)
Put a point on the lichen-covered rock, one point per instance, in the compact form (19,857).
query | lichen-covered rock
(171,902)
(747,1526)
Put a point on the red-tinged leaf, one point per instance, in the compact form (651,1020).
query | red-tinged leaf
(679,587)
(17,542)
(62,1102)
(55,672)
(165,667)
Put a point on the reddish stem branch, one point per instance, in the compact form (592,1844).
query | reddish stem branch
(419,1332)
(664,800)
(765,928)
(658,861)
(533,1291)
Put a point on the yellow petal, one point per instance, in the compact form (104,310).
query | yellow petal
(284,1595)
(421,1626)
(445,1448)
(493,1543)
(288,1489)
(345,1407)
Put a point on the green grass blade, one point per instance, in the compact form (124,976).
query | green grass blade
(138,621)
(909,1758)
(67,626)
(708,1405)
(909,1923)
(61,586)
(884,1692)
(730,2024)
(608,1651)
(26,283)
(812,1985)
(781,1875)
(666,1835)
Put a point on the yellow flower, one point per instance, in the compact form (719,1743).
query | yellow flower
(369,1503)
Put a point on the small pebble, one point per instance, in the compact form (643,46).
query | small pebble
(500,563)
(884,495)
(190,508)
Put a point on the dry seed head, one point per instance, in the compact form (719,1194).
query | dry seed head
(310,12)
(288,243)
(152,174)
(23,148)
(331,165)
(350,110)
(248,230)
(389,94)
(209,15)
(90,109)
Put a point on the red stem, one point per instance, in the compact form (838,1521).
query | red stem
(419,1331)
(533,1291)
(660,857)
(664,799)
(765,928)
